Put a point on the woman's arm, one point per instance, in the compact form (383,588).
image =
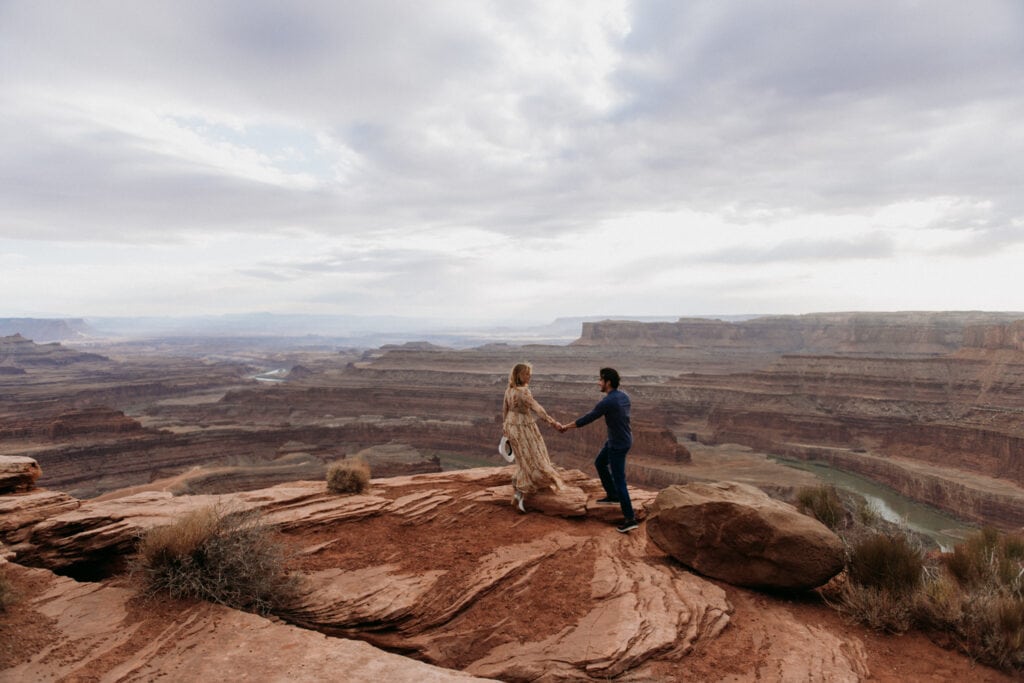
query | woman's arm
(539,409)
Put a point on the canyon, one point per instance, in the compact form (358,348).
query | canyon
(929,404)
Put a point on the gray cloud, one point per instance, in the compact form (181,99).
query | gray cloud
(795,104)
(151,123)
(874,246)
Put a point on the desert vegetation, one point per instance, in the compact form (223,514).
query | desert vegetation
(971,598)
(227,557)
(348,476)
(6,594)
(822,503)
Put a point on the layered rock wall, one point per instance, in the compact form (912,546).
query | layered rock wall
(884,333)
(1008,336)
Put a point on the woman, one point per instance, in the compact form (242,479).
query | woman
(533,466)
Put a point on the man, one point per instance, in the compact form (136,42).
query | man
(611,461)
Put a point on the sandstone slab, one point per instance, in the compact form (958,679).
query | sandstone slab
(18,473)
(431,567)
(21,512)
(99,632)
(737,533)
(97,531)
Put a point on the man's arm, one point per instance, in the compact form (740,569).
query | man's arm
(600,409)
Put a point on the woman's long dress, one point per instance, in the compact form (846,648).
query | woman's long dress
(533,465)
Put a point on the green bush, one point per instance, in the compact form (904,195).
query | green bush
(822,503)
(348,476)
(225,557)
(887,562)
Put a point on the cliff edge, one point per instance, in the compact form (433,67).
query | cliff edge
(439,568)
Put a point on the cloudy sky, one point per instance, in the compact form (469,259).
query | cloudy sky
(510,160)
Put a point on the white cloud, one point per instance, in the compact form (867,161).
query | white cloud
(488,159)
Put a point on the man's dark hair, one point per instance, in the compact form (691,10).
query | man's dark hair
(611,375)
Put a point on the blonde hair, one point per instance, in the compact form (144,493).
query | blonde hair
(515,378)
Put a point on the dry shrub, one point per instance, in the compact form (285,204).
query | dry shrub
(992,629)
(887,562)
(971,561)
(867,515)
(348,476)
(939,604)
(225,557)
(1005,637)
(990,560)
(988,568)
(822,503)
(877,608)
(884,572)
(1013,546)
(972,597)
(6,591)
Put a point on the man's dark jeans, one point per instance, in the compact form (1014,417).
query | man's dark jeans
(611,467)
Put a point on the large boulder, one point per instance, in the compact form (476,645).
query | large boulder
(18,473)
(738,534)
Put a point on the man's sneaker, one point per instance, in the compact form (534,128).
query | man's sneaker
(627,526)
(607,501)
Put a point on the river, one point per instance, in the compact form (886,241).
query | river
(942,528)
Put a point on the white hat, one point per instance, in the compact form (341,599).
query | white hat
(505,449)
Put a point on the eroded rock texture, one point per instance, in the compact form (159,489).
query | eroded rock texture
(437,567)
(18,473)
(99,632)
(931,404)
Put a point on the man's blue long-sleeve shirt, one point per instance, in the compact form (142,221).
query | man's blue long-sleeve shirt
(615,408)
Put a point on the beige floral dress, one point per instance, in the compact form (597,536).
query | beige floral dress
(533,465)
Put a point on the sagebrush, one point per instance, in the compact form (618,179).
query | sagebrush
(888,562)
(973,595)
(822,503)
(6,592)
(988,568)
(348,476)
(224,556)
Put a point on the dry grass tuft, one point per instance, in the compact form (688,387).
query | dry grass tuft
(6,592)
(989,569)
(822,503)
(886,562)
(884,571)
(877,608)
(973,596)
(224,557)
(348,476)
